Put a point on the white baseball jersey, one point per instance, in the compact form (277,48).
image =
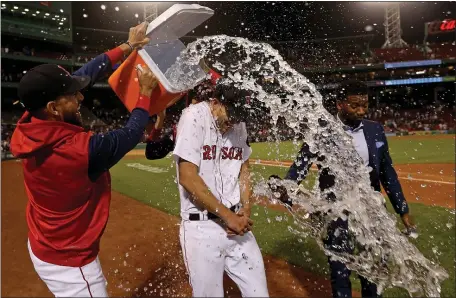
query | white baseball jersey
(219,157)
(207,250)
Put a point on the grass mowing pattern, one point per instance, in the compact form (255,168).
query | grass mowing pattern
(159,190)
(403,150)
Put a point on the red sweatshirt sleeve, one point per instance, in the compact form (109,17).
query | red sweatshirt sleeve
(115,55)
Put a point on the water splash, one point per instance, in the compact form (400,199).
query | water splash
(387,258)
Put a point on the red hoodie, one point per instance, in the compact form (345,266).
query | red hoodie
(66,212)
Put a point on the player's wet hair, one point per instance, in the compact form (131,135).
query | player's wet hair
(226,94)
(203,92)
(349,88)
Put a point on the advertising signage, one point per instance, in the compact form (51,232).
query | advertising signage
(448,25)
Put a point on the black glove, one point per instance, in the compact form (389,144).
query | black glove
(284,198)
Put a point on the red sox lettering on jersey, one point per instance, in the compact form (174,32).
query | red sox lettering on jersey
(231,153)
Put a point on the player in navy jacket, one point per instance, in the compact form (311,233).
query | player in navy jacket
(371,144)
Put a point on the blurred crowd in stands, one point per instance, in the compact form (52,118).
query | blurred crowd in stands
(30,51)
(334,55)
(393,118)
(437,117)
(417,52)
(7,131)
(302,55)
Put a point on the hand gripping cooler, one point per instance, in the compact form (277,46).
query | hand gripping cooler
(159,55)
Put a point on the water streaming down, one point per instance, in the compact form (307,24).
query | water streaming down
(387,258)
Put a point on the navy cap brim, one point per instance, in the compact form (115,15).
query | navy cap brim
(79,83)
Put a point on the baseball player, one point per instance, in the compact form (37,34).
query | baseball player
(211,155)
(66,170)
(370,143)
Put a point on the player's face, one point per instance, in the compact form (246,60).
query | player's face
(67,108)
(221,116)
(224,120)
(233,114)
(355,107)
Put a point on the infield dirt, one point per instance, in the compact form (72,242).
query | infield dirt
(140,252)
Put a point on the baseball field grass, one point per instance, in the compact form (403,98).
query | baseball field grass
(153,183)
(404,150)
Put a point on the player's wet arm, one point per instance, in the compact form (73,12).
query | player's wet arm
(245,187)
(202,195)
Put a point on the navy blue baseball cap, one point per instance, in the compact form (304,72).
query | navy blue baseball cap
(45,83)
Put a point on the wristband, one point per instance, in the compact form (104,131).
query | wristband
(129,44)
(143,102)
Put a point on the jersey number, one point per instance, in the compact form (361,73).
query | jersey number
(209,152)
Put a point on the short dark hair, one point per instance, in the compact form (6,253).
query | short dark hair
(352,87)
(224,93)
(203,91)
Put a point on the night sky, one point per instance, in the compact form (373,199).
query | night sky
(279,20)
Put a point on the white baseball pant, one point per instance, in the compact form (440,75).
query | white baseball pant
(208,252)
(64,281)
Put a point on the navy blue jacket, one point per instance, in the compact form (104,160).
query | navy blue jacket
(160,148)
(379,159)
(105,150)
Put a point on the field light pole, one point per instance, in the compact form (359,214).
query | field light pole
(393,29)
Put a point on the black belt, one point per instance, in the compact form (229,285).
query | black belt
(210,216)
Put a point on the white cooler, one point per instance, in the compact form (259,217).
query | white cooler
(165,47)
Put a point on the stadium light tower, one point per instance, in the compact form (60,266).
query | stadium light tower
(150,11)
(393,29)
